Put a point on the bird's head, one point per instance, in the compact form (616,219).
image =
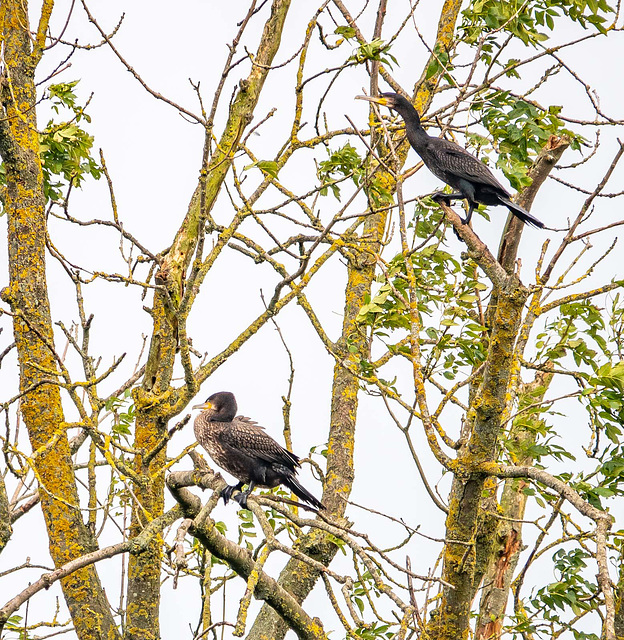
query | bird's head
(220,407)
(391,100)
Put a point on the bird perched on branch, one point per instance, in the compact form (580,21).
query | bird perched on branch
(242,448)
(453,164)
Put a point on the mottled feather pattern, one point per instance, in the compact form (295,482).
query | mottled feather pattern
(209,434)
(241,447)
(235,445)
(249,437)
(450,161)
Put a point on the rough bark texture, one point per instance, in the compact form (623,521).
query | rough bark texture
(297,577)
(28,298)
(239,559)
(489,548)
(543,165)
(153,400)
(507,543)
(5,517)
(465,564)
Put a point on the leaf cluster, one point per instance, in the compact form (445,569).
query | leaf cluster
(377,50)
(448,296)
(124,415)
(267,166)
(65,146)
(584,333)
(529,21)
(572,591)
(362,590)
(519,129)
(346,163)
(374,630)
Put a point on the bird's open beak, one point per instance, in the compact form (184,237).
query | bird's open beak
(203,406)
(382,101)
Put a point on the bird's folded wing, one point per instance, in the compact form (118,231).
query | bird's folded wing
(249,438)
(464,165)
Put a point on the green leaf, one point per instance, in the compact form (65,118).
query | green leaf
(346,32)
(268,166)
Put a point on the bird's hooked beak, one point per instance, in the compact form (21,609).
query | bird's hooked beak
(204,406)
(381,100)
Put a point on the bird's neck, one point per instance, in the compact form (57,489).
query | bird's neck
(417,136)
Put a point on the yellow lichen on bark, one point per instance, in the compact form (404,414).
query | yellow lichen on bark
(169,311)
(345,387)
(27,295)
(467,521)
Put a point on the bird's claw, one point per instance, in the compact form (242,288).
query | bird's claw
(440,196)
(447,198)
(241,498)
(226,494)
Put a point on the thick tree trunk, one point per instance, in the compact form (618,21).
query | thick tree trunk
(484,548)
(297,577)
(466,560)
(154,399)
(507,543)
(28,297)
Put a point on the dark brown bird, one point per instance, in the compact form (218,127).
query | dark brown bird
(453,164)
(241,447)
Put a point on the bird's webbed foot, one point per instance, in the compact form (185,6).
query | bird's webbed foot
(447,198)
(440,196)
(466,220)
(241,498)
(226,494)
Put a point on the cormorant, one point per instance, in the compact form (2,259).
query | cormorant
(242,448)
(453,164)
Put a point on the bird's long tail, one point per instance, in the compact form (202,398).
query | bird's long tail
(302,493)
(521,213)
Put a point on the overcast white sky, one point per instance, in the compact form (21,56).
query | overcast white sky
(154,155)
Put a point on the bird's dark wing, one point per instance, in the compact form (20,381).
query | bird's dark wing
(451,158)
(247,437)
